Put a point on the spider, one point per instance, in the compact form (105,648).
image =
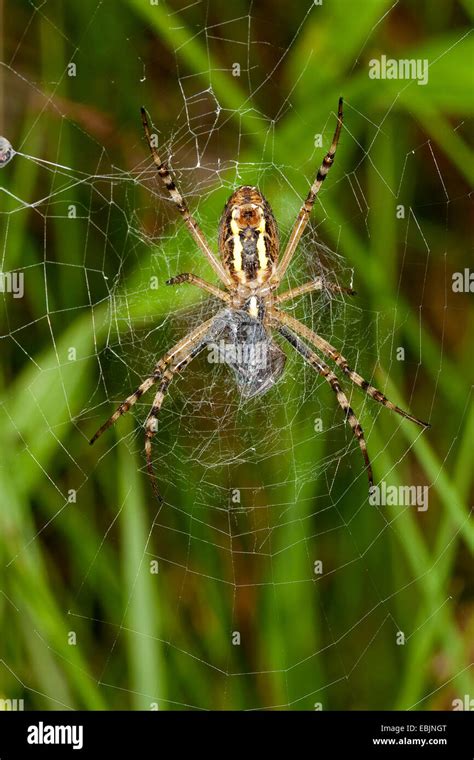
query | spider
(251,271)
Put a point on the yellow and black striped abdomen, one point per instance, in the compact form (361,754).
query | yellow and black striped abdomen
(248,237)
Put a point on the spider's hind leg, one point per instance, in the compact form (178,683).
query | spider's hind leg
(305,210)
(180,203)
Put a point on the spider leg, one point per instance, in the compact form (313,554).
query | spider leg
(151,425)
(322,368)
(184,344)
(309,287)
(306,208)
(181,204)
(341,362)
(125,406)
(193,279)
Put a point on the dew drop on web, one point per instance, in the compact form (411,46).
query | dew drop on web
(6,152)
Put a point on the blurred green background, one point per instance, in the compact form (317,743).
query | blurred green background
(86,622)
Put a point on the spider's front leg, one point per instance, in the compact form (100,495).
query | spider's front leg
(151,425)
(180,361)
(333,353)
(184,344)
(170,365)
(322,369)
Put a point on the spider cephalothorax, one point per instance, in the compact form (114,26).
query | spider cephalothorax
(241,333)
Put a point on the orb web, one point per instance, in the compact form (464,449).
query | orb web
(266,516)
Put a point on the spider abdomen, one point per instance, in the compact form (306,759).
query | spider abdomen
(248,237)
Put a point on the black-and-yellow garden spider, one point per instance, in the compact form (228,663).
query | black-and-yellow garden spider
(251,272)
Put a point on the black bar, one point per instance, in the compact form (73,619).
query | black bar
(305,734)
